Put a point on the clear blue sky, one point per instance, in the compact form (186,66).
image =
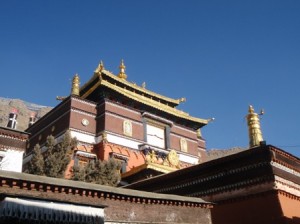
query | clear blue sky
(220,55)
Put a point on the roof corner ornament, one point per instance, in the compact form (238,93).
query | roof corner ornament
(75,85)
(182,99)
(144,85)
(100,67)
(255,133)
(61,98)
(122,73)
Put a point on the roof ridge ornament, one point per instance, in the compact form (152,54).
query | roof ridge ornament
(255,133)
(122,73)
(182,99)
(100,67)
(75,85)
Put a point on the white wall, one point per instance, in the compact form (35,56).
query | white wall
(12,160)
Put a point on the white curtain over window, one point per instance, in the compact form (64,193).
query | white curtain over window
(155,136)
(45,211)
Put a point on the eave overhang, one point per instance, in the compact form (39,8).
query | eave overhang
(139,94)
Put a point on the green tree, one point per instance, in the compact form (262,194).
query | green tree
(99,172)
(56,157)
(36,164)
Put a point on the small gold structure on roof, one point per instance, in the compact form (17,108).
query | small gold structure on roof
(137,93)
(122,73)
(255,134)
(100,67)
(75,85)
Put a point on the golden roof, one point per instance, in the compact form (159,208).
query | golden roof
(132,91)
(152,166)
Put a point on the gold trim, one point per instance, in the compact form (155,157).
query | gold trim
(153,103)
(156,167)
(91,89)
(140,98)
(134,86)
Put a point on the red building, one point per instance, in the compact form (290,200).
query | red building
(259,185)
(112,117)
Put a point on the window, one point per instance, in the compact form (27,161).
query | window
(155,135)
(82,158)
(120,158)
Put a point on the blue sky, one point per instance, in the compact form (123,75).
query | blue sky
(220,55)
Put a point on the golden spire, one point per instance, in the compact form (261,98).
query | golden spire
(75,85)
(122,74)
(100,67)
(255,134)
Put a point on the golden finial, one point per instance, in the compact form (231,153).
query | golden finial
(75,85)
(182,99)
(100,67)
(199,134)
(255,134)
(122,67)
(61,98)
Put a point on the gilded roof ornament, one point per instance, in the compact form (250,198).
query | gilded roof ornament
(172,160)
(144,85)
(61,98)
(151,157)
(255,133)
(122,73)
(100,67)
(75,85)
(182,99)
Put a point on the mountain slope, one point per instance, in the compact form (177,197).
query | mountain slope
(24,110)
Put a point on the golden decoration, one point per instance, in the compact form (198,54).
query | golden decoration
(131,85)
(152,103)
(140,94)
(183,145)
(61,98)
(127,128)
(104,136)
(173,158)
(85,122)
(75,85)
(255,133)
(182,99)
(151,157)
(122,67)
(199,135)
(100,67)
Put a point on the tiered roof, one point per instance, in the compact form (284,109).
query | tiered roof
(118,84)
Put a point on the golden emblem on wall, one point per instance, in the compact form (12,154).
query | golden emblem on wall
(183,145)
(173,158)
(127,128)
(85,122)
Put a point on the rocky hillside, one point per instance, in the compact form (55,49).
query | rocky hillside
(218,153)
(24,111)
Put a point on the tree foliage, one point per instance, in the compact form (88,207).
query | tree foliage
(99,172)
(55,159)
(36,164)
(57,156)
